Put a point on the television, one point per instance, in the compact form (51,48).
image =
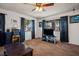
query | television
(48,31)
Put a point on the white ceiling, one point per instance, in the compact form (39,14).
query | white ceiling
(27,8)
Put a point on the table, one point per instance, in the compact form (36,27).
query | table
(17,50)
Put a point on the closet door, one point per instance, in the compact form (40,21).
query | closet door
(64,29)
(2,29)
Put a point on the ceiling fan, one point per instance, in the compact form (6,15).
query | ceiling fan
(41,6)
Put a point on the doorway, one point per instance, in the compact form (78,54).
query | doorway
(29,29)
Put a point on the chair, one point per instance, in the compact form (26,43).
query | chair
(15,36)
(8,36)
(2,38)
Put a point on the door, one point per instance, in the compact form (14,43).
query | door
(2,22)
(2,29)
(29,29)
(22,30)
(33,29)
(64,29)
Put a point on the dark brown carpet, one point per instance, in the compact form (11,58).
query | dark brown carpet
(42,48)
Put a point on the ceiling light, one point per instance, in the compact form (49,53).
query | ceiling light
(39,9)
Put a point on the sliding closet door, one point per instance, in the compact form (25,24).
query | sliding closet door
(22,30)
(64,29)
(2,29)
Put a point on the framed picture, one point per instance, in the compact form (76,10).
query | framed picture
(40,24)
(74,19)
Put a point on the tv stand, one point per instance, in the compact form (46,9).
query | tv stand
(49,38)
(48,29)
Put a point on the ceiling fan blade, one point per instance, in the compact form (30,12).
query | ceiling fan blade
(48,4)
(33,4)
(33,9)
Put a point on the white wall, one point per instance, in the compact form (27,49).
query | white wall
(73,28)
(10,15)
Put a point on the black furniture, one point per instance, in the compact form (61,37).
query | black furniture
(47,34)
(8,36)
(48,29)
(17,50)
(2,38)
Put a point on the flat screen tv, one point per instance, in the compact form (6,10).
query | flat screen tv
(48,31)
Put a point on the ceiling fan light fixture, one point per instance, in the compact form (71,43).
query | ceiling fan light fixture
(39,9)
